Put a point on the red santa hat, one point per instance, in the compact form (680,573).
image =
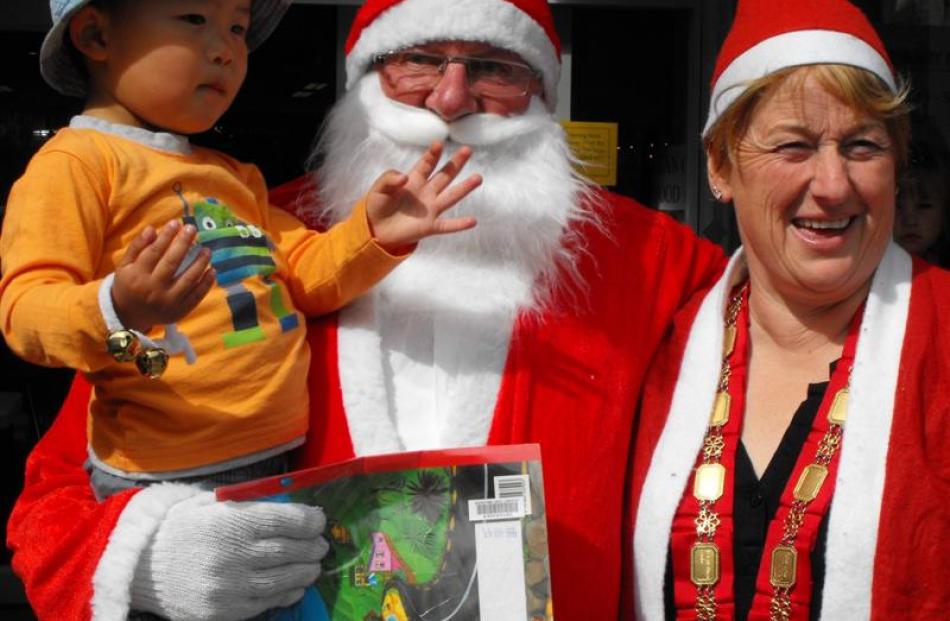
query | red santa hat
(767,36)
(525,27)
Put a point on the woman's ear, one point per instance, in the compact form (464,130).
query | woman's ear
(87,32)
(718,175)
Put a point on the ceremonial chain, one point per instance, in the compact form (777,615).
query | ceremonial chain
(709,485)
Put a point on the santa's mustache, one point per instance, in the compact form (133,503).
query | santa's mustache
(413,126)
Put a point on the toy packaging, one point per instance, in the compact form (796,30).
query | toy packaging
(431,535)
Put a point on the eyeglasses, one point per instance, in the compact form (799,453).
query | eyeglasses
(414,72)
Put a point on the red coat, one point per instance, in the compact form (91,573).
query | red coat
(887,544)
(571,383)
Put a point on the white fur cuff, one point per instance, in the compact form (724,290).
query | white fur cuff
(112,582)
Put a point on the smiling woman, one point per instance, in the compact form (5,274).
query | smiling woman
(773,463)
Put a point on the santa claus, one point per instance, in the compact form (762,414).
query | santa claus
(537,326)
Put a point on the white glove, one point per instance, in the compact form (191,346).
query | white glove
(224,561)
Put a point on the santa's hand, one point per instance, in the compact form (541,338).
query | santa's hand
(228,561)
(402,209)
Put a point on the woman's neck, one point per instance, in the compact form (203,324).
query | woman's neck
(800,325)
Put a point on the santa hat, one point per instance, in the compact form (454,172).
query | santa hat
(525,27)
(767,36)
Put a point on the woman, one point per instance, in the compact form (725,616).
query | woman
(793,458)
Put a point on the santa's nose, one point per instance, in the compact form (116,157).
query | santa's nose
(452,97)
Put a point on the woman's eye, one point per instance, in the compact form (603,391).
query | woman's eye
(863,148)
(794,149)
(193,18)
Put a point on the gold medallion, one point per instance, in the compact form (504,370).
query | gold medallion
(838,412)
(810,482)
(784,567)
(728,341)
(709,481)
(704,564)
(720,411)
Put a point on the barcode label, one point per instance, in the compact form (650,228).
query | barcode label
(515,486)
(495,509)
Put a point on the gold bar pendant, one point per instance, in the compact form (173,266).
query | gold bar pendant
(704,564)
(838,412)
(810,482)
(720,411)
(709,482)
(728,341)
(784,567)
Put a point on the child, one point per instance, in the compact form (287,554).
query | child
(151,231)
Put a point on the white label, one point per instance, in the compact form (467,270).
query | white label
(495,509)
(500,564)
(514,486)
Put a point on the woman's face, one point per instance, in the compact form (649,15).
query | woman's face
(813,186)
(920,212)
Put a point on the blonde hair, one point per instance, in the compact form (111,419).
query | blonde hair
(857,88)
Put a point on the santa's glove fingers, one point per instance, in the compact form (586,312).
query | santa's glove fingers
(225,561)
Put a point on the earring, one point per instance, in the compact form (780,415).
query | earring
(717,193)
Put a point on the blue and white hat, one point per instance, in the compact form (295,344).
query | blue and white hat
(59,67)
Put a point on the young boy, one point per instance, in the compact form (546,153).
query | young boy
(120,226)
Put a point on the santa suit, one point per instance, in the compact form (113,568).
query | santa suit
(887,544)
(570,381)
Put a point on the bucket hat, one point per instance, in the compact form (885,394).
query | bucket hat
(58,66)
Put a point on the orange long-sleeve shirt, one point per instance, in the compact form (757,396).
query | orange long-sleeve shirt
(69,220)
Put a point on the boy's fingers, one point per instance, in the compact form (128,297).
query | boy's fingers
(452,225)
(457,192)
(444,177)
(168,265)
(427,163)
(190,274)
(199,290)
(389,183)
(139,243)
(152,254)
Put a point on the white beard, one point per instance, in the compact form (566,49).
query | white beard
(421,357)
(529,200)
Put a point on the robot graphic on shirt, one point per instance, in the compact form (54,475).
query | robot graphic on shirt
(238,251)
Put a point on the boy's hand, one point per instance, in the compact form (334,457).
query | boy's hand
(402,209)
(147,291)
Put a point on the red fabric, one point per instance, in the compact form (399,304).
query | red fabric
(758,20)
(57,530)
(538,10)
(909,581)
(571,383)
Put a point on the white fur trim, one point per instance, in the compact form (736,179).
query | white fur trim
(362,382)
(791,49)
(856,507)
(678,446)
(436,398)
(855,510)
(112,582)
(500,23)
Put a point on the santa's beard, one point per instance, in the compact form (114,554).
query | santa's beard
(529,201)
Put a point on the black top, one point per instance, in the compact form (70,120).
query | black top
(755,504)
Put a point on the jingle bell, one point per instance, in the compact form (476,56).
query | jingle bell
(122,345)
(152,362)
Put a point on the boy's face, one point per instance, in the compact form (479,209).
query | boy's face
(176,65)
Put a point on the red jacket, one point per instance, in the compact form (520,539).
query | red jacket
(887,543)
(571,383)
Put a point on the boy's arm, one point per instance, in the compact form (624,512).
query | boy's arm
(328,271)
(51,242)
